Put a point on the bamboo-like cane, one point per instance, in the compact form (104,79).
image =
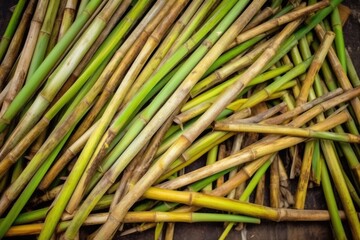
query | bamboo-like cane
(44,37)
(27,53)
(209,140)
(273,23)
(56,27)
(154,62)
(216,51)
(115,102)
(12,27)
(68,17)
(84,104)
(205,120)
(45,67)
(276,129)
(189,45)
(338,178)
(101,41)
(354,78)
(330,201)
(123,56)
(64,159)
(134,217)
(15,45)
(146,159)
(69,63)
(340,74)
(199,199)
(200,17)
(246,155)
(339,38)
(315,67)
(260,17)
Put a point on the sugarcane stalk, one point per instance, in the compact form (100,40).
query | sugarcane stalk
(339,38)
(24,143)
(27,54)
(290,131)
(340,185)
(208,141)
(68,17)
(230,68)
(28,191)
(133,217)
(56,27)
(27,91)
(225,204)
(129,108)
(340,74)
(167,43)
(260,17)
(11,27)
(57,78)
(215,91)
(354,78)
(330,201)
(315,67)
(200,17)
(250,187)
(65,158)
(221,10)
(231,161)
(231,33)
(115,102)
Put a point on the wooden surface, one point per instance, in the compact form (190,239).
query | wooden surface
(267,230)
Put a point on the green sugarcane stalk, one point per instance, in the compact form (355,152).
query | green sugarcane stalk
(168,42)
(27,91)
(282,130)
(340,185)
(354,78)
(11,27)
(9,60)
(225,204)
(44,37)
(144,91)
(330,202)
(186,139)
(107,50)
(63,71)
(243,156)
(203,49)
(339,37)
(22,67)
(133,217)
(343,80)
(55,30)
(90,148)
(248,190)
(28,191)
(190,28)
(15,189)
(215,91)
(68,17)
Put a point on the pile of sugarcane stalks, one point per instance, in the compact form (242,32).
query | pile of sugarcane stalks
(129,115)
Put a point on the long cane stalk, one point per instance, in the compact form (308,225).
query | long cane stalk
(27,54)
(189,136)
(44,69)
(11,27)
(68,17)
(231,33)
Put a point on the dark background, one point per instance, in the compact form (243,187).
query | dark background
(267,230)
